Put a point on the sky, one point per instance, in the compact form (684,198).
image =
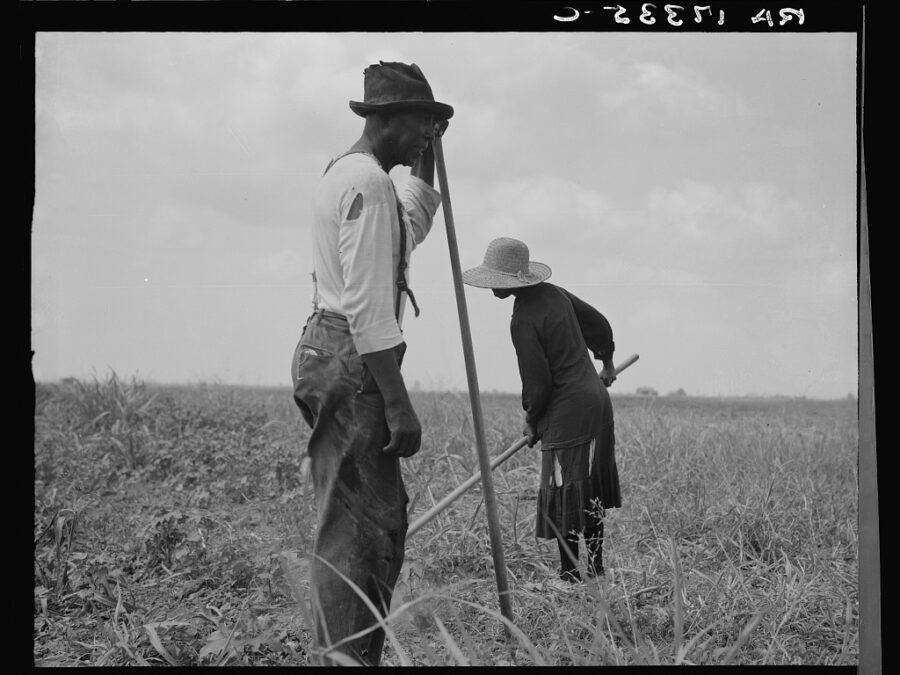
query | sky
(699,189)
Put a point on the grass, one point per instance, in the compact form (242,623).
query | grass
(172,527)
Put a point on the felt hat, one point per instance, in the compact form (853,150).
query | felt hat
(506,265)
(394,85)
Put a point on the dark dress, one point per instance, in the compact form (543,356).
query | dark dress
(567,404)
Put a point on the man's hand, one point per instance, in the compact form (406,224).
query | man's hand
(406,431)
(529,432)
(608,374)
(423,168)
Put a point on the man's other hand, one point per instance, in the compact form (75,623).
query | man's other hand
(406,431)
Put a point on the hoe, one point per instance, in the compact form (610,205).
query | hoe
(497,461)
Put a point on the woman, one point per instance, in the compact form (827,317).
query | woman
(566,404)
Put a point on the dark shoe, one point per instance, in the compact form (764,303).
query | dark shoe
(592,571)
(572,576)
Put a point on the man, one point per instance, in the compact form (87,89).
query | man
(346,367)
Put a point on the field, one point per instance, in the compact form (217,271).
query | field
(171,527)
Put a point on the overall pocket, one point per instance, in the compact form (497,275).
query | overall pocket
(308,357)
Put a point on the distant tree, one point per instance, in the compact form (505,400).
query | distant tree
(647,391)
(678,392)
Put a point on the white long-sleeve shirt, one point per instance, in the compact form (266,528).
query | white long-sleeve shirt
(356,250)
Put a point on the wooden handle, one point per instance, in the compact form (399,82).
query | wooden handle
(627,362)
(497,461)
(490,504)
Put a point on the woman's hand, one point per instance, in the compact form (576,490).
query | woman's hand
(608,374)
(531,434)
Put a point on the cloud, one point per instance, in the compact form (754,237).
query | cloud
(695,234)
(833,279)
(692,234)
(648,86)
(283,266)
(640,273)
(724,214)
(540,206)
(700,189)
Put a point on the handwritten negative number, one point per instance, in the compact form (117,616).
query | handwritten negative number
(671,14)
(670,11)
(620,14)
(646,17)
(786,14)
(707,8)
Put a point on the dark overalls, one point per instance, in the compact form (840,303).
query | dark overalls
(360,497)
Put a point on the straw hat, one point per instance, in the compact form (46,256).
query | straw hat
(506,265)
(397,86)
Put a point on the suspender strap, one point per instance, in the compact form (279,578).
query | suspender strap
(331,163)
(402,286)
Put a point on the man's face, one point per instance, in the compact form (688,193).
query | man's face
(408,134)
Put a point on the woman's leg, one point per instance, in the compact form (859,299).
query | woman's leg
(568,557)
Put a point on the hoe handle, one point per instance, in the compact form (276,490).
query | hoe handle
(497,461)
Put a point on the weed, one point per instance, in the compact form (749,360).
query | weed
(172,527)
